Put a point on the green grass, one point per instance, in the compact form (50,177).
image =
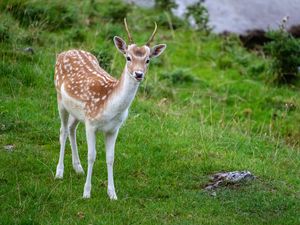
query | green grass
(221,116)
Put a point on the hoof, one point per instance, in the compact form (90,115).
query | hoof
(87,191)
(78,169)
(59,173)
(112,195)
(86,195)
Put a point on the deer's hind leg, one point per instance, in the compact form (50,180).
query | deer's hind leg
(91,142)
(72,125)
(64,115)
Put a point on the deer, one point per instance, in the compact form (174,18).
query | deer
(88,94)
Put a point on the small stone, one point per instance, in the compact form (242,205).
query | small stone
(214,194)
(9,148)
(228,178)
(29,50)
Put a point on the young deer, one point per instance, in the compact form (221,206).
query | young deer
(87,93)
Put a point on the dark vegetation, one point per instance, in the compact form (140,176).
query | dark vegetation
(284,50)
(200,15)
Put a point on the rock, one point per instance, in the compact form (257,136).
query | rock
(29,50)
(9,148)
(228,178)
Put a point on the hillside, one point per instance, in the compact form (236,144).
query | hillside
(205,107)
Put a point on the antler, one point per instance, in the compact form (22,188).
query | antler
(152,35)
(128,33)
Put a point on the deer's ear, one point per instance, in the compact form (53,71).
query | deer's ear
(157,50)
(120,44)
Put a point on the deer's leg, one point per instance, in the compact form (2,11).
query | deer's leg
(72,124)
(110,140)
(91,142)
(62,139)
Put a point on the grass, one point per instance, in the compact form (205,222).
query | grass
(220,116)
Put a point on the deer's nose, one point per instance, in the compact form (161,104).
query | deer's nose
(138,74)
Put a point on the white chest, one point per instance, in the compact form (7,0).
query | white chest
(73,106)
(108,120)
(111,122)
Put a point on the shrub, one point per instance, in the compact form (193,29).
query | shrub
(8,27)
(284,51)
(157,89)
(4,33)
(109,30)
(112,10)
(53,16)
(166,5)
(77,35)
(104,57)
(168,21)
(224,61)
(199,14)
(178,76)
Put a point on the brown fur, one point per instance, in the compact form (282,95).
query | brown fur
(84,80)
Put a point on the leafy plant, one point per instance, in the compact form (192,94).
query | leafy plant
(77,35)
(104,57)
(199,14)
(284,51)
(8,28)
(113,10)
(168,21)
(166,5)
(109,30)
(178,76)
(4,33)
(53,16)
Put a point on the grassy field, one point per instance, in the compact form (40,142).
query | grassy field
(205,107)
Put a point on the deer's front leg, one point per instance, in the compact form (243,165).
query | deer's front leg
(110,140)
(91,142)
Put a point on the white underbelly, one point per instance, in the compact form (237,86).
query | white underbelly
(107,120)
(73,106)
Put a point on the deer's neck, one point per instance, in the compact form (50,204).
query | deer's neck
(125,92)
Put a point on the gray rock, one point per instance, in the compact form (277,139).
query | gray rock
(9,148)
(29,50)
(227,178)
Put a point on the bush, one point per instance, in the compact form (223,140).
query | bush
(199,14)
(4,33)
(168,21)
(53,16)
(104,57)
(284,51)
(109,30)
(77,35)
(166,5)
(7,27)
(178,76)
(113,10)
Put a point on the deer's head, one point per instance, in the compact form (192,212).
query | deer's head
(138,58)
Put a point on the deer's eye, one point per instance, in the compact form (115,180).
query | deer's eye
(147,61)
(128,58)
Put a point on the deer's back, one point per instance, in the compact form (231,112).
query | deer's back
(79,76)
